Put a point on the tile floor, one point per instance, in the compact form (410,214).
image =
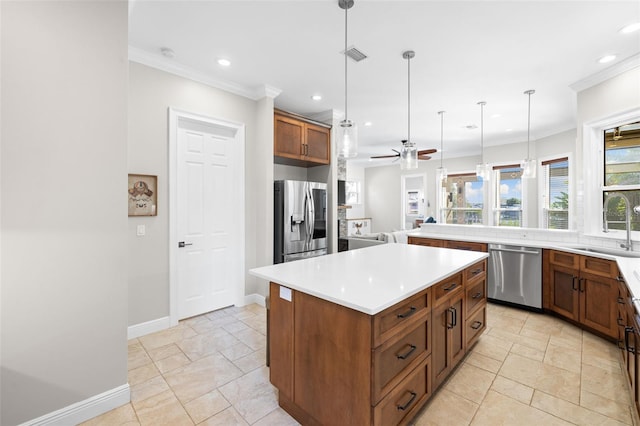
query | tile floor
(527,369)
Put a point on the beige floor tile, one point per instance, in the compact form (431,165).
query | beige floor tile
(520,369)
(166,337)
(470,382)
(615,410)
(162,409)
(164,352)
(122,416)
(508,324)
(228,417)
(559,382)
(604,383)
(206,406)
(252,361)
(234,327)
(142,374)
(201,345)
(566,410)
(447,409)
(201,376)
(492,347)
(573,343)
(527,352)
(235,351)
(172,362)
(137,357)
(147,389)
(498,409)
(489,364)
(252,395)
(277,417)
(512,389)
(560,357)
(252,338)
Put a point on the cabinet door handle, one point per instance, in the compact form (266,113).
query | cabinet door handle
(476,325)
(573,283)
(620,301)
(580,284)
(412,310)
(409,352)
(454,316)
(451,286)
(631,349)
(620,278)
(476,271)
(450,319)
(477,295)
(408,403)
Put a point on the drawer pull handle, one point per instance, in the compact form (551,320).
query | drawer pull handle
(620,301)
(476,271)
(409,402)
(412,310)
(628,330)
(477,295)
(405,356)
(620,278)
(451,287)
(476,325)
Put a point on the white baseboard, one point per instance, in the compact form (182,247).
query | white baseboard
(85,410)
(254,298)
(148,327)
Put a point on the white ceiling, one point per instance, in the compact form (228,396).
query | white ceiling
(466,51)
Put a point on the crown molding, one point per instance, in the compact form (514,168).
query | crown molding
(623,66)
(164,64)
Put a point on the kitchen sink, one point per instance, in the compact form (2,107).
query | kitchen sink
(612,252)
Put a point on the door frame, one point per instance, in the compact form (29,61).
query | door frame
(174,116)
(403,193)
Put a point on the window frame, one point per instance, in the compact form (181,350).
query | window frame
(542,189)
(494,195)
(442,194)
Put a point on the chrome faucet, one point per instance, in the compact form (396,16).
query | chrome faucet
(627,213)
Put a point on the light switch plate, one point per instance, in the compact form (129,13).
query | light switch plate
(140,230)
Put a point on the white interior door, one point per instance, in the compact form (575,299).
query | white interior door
(208,270)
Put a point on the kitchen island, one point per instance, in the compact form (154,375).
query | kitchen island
(364,337)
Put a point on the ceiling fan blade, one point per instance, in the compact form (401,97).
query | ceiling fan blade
(424,157)
(427,151)
(386,156)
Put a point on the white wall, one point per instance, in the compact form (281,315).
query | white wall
(151,93)
(64,211)
(356,173)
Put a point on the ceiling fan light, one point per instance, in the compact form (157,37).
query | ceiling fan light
(347,139)
(409,157)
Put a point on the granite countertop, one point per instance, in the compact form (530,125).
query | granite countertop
(370,279)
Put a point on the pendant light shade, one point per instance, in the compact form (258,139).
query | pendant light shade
(409,154)
(528,165)
(441,172)
(348,131)
(483,170)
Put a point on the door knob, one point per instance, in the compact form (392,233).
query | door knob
(183,244)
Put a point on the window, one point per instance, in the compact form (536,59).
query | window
(352,193)
(508,208)
(463,199)
(621,176)
(555,193)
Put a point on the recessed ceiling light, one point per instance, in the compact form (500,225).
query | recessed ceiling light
(368,123)
(166,52)
(630,28)
(316,97)
(607,58)
(224,62)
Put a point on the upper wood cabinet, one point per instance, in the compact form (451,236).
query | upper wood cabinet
(300,142)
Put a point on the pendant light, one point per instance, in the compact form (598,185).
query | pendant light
(441,172)
(528,165)
(409,154)
(483,170)
(348,131)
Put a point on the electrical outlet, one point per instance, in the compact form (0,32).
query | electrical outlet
(140,230)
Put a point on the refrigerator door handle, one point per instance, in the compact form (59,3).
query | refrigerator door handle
(311,217)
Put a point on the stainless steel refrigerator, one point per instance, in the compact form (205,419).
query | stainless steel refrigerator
(300,220)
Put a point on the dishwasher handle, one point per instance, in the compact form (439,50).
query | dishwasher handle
(515,251)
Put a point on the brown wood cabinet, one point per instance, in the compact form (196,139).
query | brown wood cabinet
(299,142)
(584,289)
(331,362)
(452,244)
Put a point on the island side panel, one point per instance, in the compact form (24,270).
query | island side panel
(332,357)
(281,340)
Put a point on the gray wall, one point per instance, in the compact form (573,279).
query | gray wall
(151,93)
(64,212)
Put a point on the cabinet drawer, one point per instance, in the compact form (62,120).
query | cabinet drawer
(475,325)
(426,242)
(447,287)
(562,258)
(476,294)
(475,271)
(401,404)
(597,266)
(400,314)
(466,245)
(390,359)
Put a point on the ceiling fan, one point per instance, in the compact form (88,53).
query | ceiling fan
(423,154)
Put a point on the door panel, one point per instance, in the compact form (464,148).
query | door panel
(564,295)
(596,308)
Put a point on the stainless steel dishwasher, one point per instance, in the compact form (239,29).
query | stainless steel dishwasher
(515,275)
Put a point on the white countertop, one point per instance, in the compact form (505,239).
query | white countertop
(629,266)
(370,279)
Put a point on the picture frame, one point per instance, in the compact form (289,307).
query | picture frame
(142,195)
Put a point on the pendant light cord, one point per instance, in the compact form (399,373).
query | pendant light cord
(441,136)
(409,100)
(529,126)
(482,104)
(346,9)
